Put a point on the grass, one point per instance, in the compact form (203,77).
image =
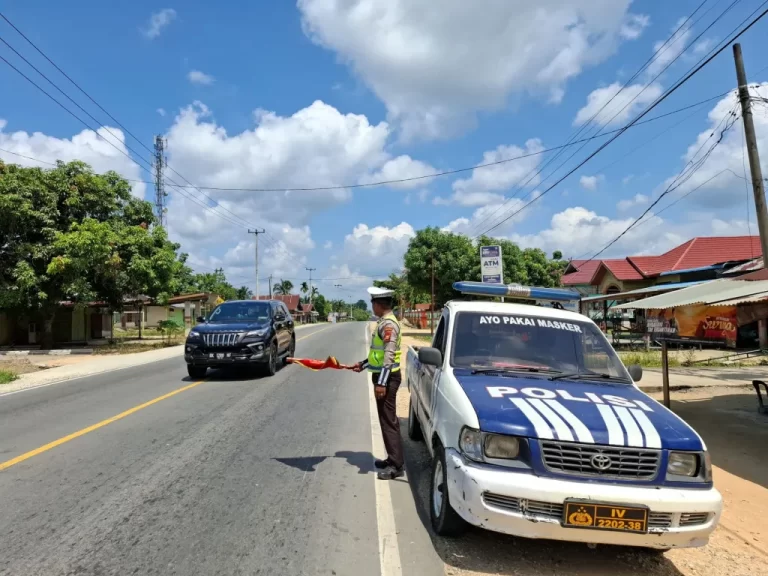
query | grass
(133,347)
(6,376)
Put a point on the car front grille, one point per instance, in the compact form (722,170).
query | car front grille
(533,508)
(659,520)
(694,518)
(577,460)
(222,339)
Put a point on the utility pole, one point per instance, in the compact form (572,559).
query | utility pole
(432,306)
(256,243)
(310,291)
(270,286)
(159,164)
(755,171)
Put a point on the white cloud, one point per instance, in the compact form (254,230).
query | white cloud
(627,179)
(485,184)
(434,69)
(636,200)
(720,181)
(161,111)
(671,50)
(491,215)
(400,168)
(201,78)
(378,250)
(634,25)
(591,182)
(625,105)
(703,46)
(328,245)
(86,146)
(158,21)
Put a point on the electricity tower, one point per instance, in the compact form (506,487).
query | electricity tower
(160,163)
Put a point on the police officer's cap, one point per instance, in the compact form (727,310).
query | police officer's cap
(380,293)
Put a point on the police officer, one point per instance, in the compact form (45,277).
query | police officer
(383,363)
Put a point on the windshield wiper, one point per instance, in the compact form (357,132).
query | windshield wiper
(588,376)
(509,369)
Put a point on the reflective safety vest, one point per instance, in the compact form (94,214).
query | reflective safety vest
(376,353)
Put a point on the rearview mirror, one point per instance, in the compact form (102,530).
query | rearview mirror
(430,356)
(636,372)
(200,319)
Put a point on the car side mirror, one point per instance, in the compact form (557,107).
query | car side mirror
(200,319)
(636,372)
(430,356)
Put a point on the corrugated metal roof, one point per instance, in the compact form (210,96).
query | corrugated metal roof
(750,266)
(641,291)
(714,293)
(688,270)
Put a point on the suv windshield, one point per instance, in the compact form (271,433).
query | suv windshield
(246,312)
(532,343)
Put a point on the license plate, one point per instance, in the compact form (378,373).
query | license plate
(597,516)
(219,355)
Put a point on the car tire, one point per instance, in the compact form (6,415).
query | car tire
(414,427)
(445,521)
(196,372)
(270,368)
(291,350)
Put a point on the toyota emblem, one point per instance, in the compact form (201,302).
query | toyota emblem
(600,462)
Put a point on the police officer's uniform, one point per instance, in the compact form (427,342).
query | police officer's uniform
(383,363)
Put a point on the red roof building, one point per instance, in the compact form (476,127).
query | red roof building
(698,258)
(290,300)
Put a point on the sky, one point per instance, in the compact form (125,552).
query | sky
(335,94)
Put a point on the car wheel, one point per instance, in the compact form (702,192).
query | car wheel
(271,367)
(414,428)
(445,520)
(291,349)
(196,372)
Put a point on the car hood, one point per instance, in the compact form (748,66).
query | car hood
(574,410)
(218,327)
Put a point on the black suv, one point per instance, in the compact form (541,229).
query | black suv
(241,333)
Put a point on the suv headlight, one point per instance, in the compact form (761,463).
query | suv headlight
(193,334)
(470,444)
(683,464)
(501,447)
(257,333)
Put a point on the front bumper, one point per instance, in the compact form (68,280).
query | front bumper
(530,506)
(250,353)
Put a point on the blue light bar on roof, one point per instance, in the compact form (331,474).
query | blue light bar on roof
(515,291)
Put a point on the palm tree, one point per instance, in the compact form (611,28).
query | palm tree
(283,287)
(304,288)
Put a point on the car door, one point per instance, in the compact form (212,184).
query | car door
(429,376)
(289,326)
(279,320)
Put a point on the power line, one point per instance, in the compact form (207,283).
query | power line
(658,101)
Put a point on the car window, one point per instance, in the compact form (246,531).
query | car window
(438,341)
(510,340)
(249,312)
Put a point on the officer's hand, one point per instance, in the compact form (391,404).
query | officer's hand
(379,392)
(358,367)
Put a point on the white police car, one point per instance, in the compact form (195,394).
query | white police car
(536,429)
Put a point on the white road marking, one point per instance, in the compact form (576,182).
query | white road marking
(615,434)
(389,550)
(652,439)
(582,432)
(562,430)
(542,428)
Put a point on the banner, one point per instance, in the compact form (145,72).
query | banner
(491,270)
(698,322)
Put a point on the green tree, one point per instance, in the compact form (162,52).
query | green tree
(215,283)
(283,287)
(244,293)
(455,258)
(320,305)
(304,288)
(71,234)
(361,305)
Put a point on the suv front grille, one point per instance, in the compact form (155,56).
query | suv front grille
(222,339)
(577,460)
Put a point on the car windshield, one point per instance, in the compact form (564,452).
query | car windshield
(248,312)
(533,344)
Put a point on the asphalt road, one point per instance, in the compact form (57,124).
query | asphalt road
(144,471)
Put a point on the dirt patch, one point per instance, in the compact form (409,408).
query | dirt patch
(133,347)
(19,366)
(736,437)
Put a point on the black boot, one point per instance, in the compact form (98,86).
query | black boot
(390,473)
(381,464)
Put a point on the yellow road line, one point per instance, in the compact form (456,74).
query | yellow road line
(96,426)
(8,463)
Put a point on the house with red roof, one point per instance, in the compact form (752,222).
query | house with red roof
(701,258)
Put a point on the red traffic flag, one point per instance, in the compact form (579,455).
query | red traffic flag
(314,364)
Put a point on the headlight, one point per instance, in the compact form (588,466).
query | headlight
(193,334)
(256,333)
(683,464)
(470,443)
(502,447)
(707,474)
